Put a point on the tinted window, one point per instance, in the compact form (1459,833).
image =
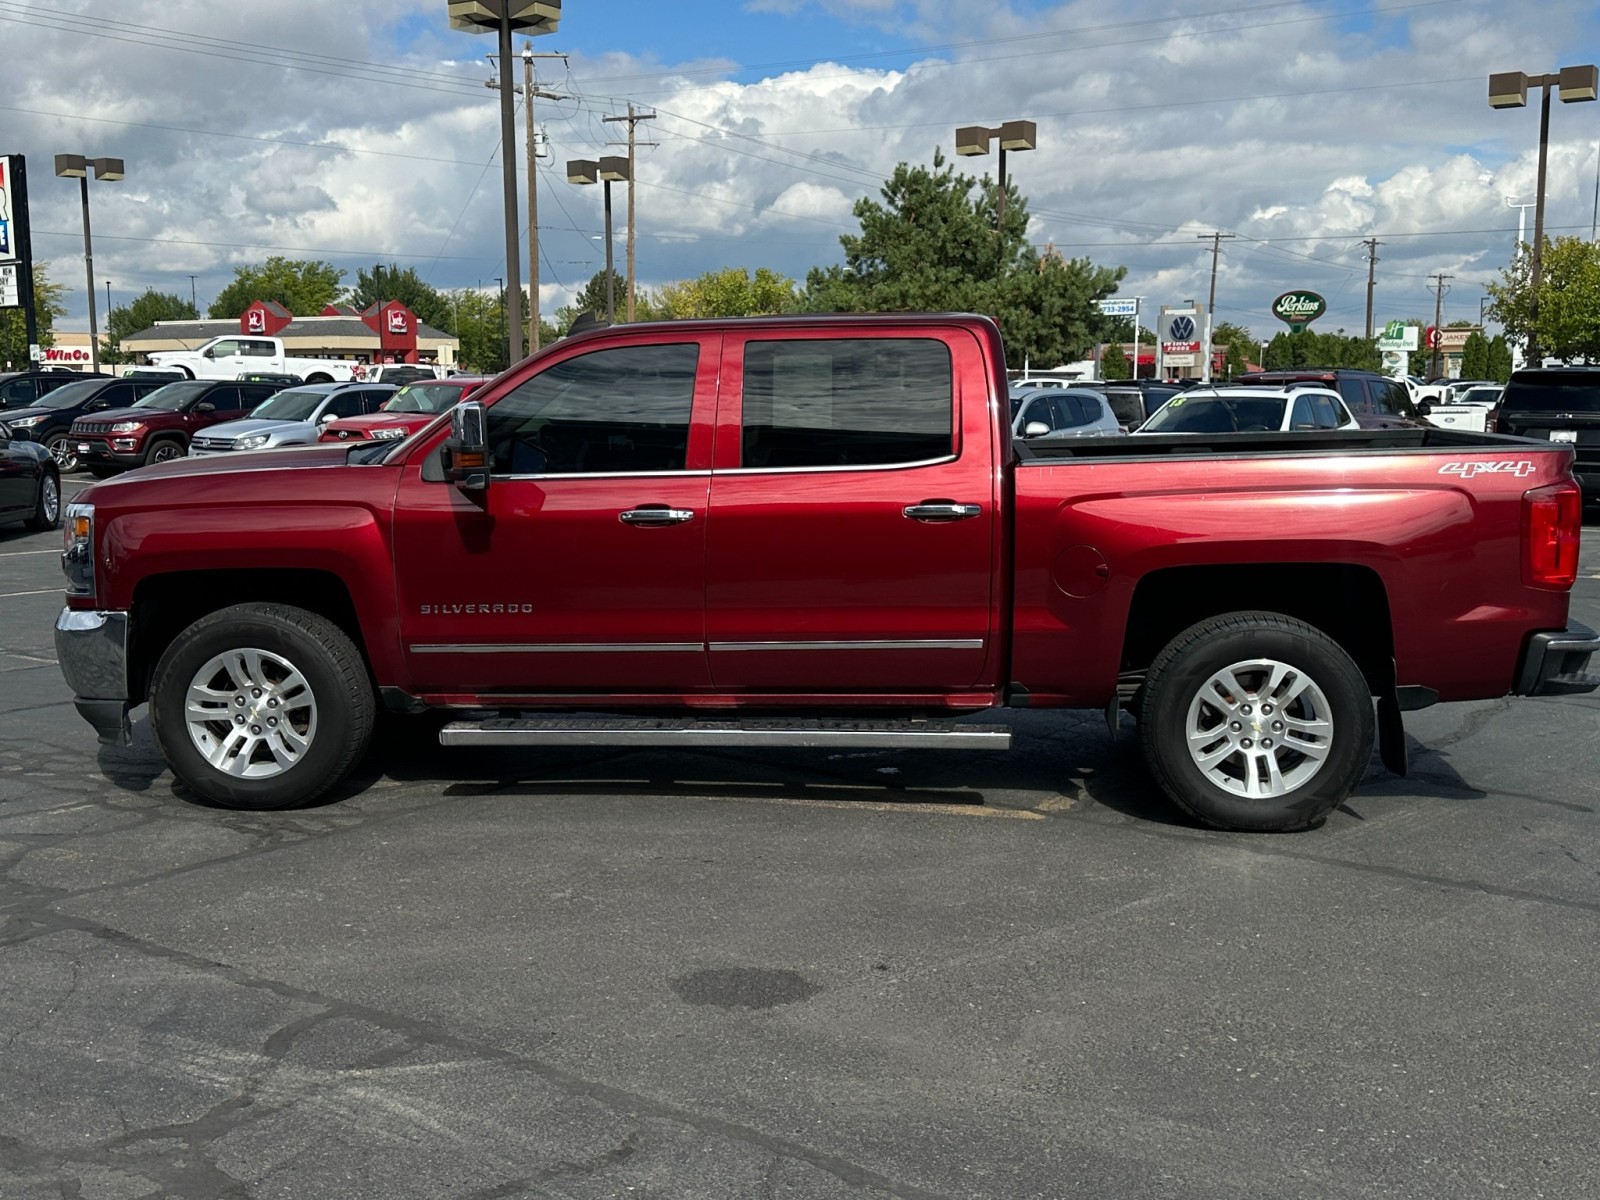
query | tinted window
(17,393)
(847,402)
(1355,395)
(224,399)
(373,399)
(117,395)
(253,395)
(174,396)
(624,409)
(1305,413)
(73,394)
(1328,414)
(345,404)
(1218,414)
(424,398)
(1553,392)
(1038,409)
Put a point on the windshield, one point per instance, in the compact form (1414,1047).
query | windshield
(296,404)
(1217,414)
(174,396)
(70,395)
(1554,393)
(425,398)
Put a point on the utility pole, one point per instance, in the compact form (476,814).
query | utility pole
(1372,245)
(1438,313)
(1211,305)
(633,118)
(529,92)
(193,302)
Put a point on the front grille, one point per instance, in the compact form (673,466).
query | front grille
(91,427)
(212,443)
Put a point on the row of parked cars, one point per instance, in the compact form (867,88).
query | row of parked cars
(108,424)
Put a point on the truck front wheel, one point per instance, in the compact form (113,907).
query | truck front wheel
(261,706)
(1256,721)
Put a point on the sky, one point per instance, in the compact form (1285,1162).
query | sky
(362,132)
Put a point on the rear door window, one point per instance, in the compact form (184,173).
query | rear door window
(224,399)
(17,393)
(847,402)
(1355,395)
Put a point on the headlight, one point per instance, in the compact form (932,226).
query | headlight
(77,552)
(26,422)
(127,427)
(253,442)
(382,435)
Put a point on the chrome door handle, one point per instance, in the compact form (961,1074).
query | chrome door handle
(941,510)
(655,514)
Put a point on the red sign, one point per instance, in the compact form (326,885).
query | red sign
(397,320)
(255,321)
(60,354)
(1430,337)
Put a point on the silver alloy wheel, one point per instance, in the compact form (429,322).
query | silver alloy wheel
(65,452)
(250,713)
(1260,728)
(50,500)
(166,452)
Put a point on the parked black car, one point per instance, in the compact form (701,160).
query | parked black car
(30,483)
(1375,400)
(1557,404)
(49,420)
(22,389)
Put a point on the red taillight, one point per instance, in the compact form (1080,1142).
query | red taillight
(1551,520)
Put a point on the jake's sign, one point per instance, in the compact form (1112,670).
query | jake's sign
(1299,309)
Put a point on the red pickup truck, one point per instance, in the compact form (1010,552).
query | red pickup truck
(819,532)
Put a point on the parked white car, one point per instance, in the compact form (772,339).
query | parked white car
(293,417)
(1288,409)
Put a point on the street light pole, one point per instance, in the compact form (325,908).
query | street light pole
(1510,90)
(530,17)
(69,166)
(609,170)
(1012,135)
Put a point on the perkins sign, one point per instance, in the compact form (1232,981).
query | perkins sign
(1299,309)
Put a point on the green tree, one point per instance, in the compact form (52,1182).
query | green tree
(1114,361)
(1568,322)
(405,285)
(1499,360)
(47,305)
(140,314)
(1475,357)
(304,286)
(730,292)
(1240,344)
(1291,350)
(478,320)
(931,245)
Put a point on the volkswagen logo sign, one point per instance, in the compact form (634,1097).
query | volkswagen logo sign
(1182,329)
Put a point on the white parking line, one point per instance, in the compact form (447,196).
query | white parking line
(45,592)
(20,553)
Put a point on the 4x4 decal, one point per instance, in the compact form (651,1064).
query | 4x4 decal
(1520,467)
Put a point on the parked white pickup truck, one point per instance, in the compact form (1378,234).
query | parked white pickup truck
(231,357)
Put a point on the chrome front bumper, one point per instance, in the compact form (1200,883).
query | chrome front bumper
(1557,664)
(93,650)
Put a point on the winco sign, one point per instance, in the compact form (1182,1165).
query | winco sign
(1299,309)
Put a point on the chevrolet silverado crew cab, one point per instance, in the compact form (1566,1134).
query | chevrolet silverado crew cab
(818,532)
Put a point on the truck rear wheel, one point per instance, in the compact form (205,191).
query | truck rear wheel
(262,706)
(1256,721)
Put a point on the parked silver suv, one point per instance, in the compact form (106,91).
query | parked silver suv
(293,417)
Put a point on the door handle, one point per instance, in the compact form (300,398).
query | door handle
(655,514)
(941,510)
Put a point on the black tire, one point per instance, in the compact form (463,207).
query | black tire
(319,377)
(46,503)
(332,715)
(1234,780)
(187,373)
(164,449)
(64,450)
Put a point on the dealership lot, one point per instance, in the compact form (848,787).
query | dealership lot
(801,974)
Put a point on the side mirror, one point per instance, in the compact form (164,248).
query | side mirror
(209,352)
(1424,408)
(5,434)
(326,417)
(205,406)
(466,450)
(1035,429)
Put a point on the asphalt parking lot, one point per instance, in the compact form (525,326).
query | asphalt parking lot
(802,974)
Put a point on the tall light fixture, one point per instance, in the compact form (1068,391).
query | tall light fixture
(75,166)
(1509,89)
(609,170)
(529,17)
(1013,135)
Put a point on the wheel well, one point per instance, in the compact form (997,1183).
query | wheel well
(319,377)
(165,605)
(1348,603)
